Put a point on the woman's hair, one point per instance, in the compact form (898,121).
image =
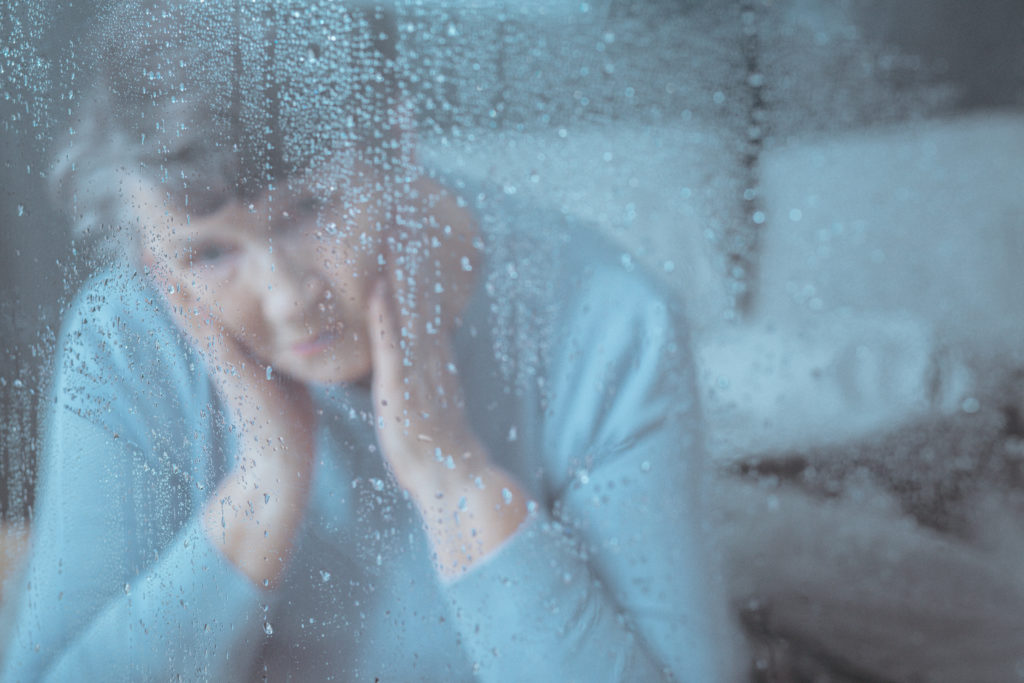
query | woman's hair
(221,99)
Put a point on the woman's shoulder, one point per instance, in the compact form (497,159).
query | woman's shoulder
(554,284)
(586,275)
(119,348)
(117,313)
(573,254)
(115,297)
(520,229)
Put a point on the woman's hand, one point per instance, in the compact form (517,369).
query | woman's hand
(418,402)
(254,513)
(273,411)
(469,505)
(428,276)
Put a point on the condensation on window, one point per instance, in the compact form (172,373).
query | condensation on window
(457,339)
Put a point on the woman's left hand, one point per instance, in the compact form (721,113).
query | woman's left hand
(469,505)
(418,402)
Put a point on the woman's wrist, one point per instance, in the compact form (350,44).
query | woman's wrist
(255,512)
(468,515)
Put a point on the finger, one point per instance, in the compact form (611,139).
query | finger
(454,255)
(385,342)
(191,318)
(224,355)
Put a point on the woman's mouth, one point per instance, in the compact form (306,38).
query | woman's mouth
(314,345)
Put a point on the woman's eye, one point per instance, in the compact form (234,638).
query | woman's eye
(302,209)
(211,253)
(299,215)
(309,206)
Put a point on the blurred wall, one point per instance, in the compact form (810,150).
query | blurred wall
(977,45)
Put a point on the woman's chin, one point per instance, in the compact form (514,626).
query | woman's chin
(328,367)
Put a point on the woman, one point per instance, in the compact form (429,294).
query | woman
(303,429)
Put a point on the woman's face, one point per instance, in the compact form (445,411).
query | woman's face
(287,274)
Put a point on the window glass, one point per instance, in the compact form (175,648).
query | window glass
(452,339)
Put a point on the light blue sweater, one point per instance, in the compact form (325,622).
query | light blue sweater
(578,378)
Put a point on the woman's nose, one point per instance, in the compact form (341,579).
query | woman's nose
(291,291)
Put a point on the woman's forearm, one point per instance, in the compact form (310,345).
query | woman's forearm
(256,511)
(468,516)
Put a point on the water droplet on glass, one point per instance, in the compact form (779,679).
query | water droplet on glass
(270,372)
(325,576)
(267,628)
(506,496)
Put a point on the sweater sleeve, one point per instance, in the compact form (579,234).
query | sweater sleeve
(614,579)
(123,583)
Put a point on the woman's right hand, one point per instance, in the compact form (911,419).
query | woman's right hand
(254,513)
(274,411)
